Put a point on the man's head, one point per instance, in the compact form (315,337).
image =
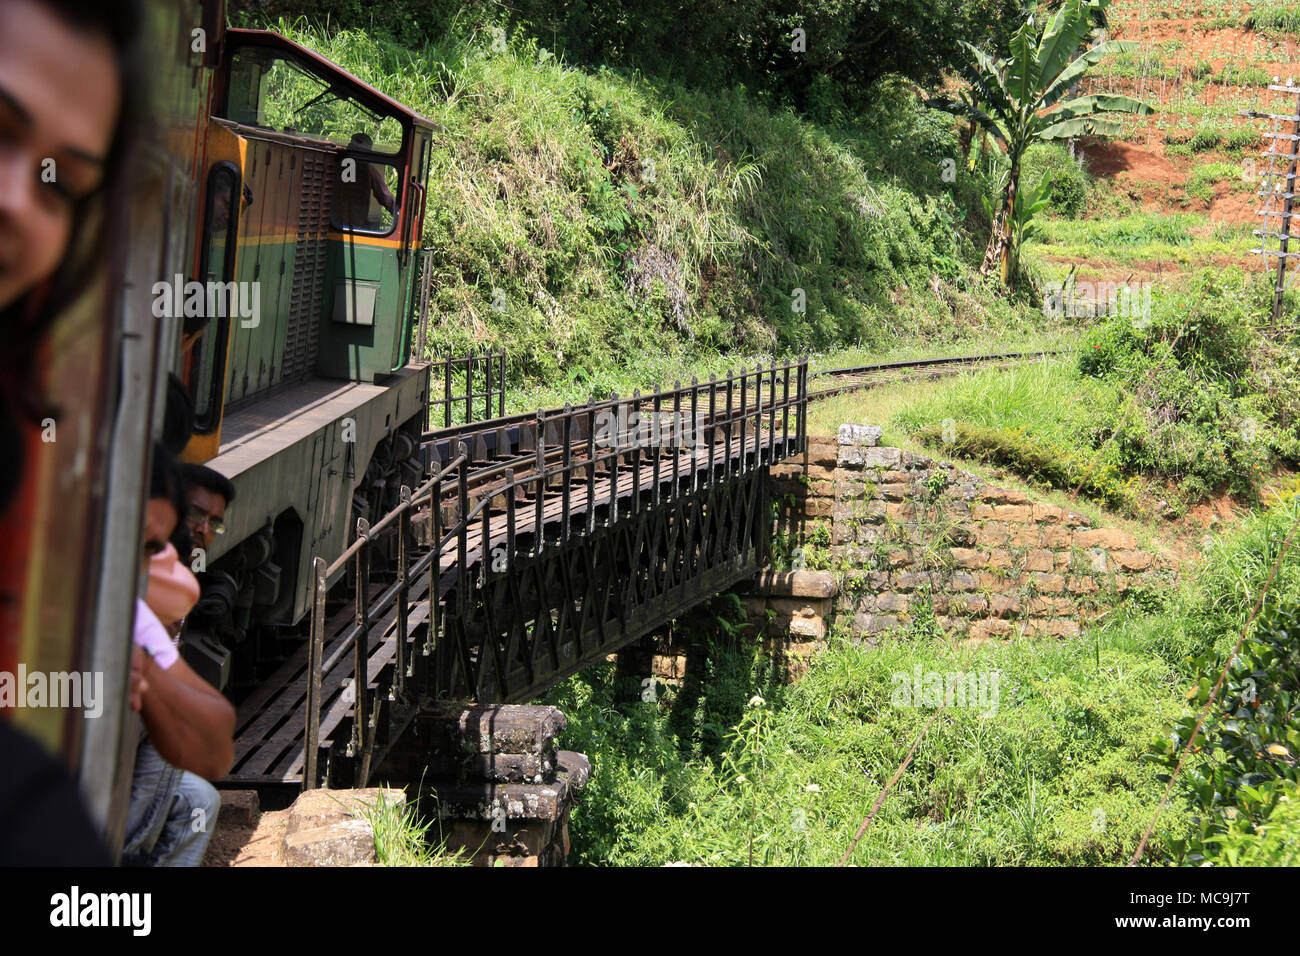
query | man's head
(207,495)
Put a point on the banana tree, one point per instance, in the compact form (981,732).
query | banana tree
(1022,99)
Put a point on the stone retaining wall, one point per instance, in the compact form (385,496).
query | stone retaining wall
(912,537)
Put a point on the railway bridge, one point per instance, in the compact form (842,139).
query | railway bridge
(535,546)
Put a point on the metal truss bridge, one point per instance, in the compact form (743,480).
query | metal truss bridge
(536,546)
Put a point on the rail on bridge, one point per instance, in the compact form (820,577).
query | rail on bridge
(537,545)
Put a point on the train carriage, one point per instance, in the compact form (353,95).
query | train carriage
(263,250)
(70,568)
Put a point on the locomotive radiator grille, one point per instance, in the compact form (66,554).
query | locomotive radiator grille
(308,291)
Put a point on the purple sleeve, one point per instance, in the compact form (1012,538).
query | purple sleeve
(153,637)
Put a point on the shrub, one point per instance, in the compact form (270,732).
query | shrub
(1206,137)
(1274,19)
(1208,326)
(1242,770)
(738,768)
(1272,841)
(1108,345)
(1240,138)
(1211,407)
(1068,183)
(1200,184)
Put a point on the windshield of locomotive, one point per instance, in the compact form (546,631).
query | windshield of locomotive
(277,91)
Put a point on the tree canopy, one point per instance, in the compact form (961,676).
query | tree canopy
(845,46)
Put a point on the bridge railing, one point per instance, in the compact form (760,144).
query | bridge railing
(473,388)
(356,558)
(685,434)
(690,437)
(484,395)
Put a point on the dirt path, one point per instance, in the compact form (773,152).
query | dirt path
(259,845)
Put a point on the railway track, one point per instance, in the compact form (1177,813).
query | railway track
(503,450)
(858,377)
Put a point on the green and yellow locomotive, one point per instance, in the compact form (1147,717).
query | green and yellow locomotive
(312,195)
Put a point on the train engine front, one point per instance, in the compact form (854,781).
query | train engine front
(298,356)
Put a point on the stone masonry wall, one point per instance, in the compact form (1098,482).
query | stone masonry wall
(912,536)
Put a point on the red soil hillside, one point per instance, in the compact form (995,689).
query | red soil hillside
(1198,65)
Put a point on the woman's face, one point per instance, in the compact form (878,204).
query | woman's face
(59,100)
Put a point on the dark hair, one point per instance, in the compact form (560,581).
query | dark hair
(165,483)
(205,477)
(24,324)
(165,479)
(11,447)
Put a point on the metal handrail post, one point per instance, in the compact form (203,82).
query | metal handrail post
(361,642)
(404,588)
(311,740)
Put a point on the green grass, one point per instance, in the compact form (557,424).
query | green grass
(875,406)
(1044,421)
(1190,399)
(1229,137)
(1200,183)
(795,774)
(890,405)
(1281,19)
(1242,76)
(1183,239)
(742,768)
(1187,108)
(1018,333)
(1138,229)
(402,839)
(1140,64)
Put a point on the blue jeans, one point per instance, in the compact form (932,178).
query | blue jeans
(172,814)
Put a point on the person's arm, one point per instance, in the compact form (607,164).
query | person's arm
(381,191)
(190,723)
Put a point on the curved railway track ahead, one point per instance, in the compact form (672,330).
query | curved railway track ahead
(500,449)
(858,377)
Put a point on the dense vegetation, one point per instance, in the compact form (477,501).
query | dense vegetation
(1241,775)
(1216,385)
(827,69)
(1198,397)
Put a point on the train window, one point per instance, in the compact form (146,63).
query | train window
(280,92)
(216,265)
(367,195)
